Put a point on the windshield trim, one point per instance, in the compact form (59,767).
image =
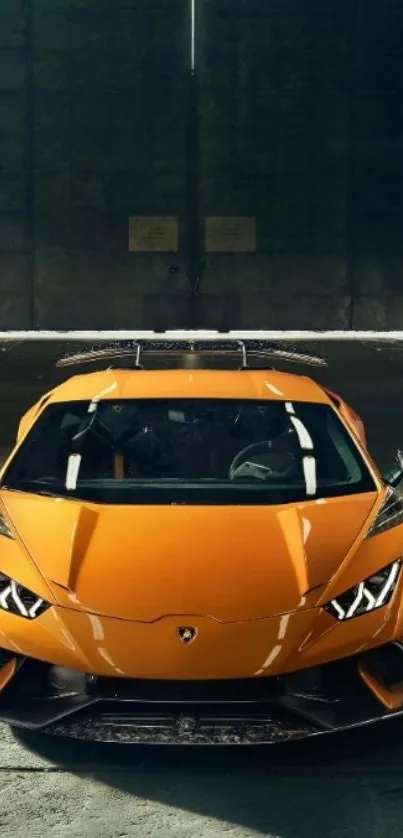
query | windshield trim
(183,496)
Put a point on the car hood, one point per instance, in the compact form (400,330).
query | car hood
(231,563)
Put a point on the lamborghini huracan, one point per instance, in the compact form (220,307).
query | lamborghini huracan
(197,548)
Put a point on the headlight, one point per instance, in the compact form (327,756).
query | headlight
(18,600)
(4,528)
(367,596)
(389,515)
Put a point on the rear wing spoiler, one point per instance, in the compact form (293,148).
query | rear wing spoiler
(251,353)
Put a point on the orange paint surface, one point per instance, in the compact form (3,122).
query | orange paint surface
(250,579)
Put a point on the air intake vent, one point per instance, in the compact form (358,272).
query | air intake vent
(5,657)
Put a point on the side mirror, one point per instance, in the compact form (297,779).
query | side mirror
(395,476)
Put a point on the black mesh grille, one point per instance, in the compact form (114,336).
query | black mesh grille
(228,691)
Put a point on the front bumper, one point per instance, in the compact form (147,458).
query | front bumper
(257,711)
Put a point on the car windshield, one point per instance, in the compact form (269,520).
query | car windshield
(189,451)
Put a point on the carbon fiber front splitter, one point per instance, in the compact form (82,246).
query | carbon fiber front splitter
(252,712)
(188,729)
(185,728)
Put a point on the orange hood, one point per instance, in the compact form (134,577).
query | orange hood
(231,563)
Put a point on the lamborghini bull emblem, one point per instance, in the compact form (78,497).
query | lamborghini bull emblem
(186,634)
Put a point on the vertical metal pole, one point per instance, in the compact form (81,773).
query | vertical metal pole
(193,35)
(351,159)
(192,186)
(30,158)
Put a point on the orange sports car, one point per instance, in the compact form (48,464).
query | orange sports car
(196,549)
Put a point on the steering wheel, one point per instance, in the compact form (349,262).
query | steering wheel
(263,461)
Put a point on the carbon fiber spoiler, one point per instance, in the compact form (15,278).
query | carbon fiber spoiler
(248,351)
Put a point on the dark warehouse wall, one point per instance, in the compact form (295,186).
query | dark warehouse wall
(271,183)
(93,131)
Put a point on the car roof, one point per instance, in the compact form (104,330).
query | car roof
(185,383)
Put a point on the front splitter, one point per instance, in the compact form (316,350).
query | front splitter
(189,729)
(257,712)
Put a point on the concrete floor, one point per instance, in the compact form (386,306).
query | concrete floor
(339,788)
(333,787)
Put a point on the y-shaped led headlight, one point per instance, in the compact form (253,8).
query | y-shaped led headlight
(14,598)
(18,600)
(367,596)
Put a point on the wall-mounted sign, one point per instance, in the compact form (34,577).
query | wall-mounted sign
(230,235)
(154,234)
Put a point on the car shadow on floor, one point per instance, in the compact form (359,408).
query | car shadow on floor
(348,786)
